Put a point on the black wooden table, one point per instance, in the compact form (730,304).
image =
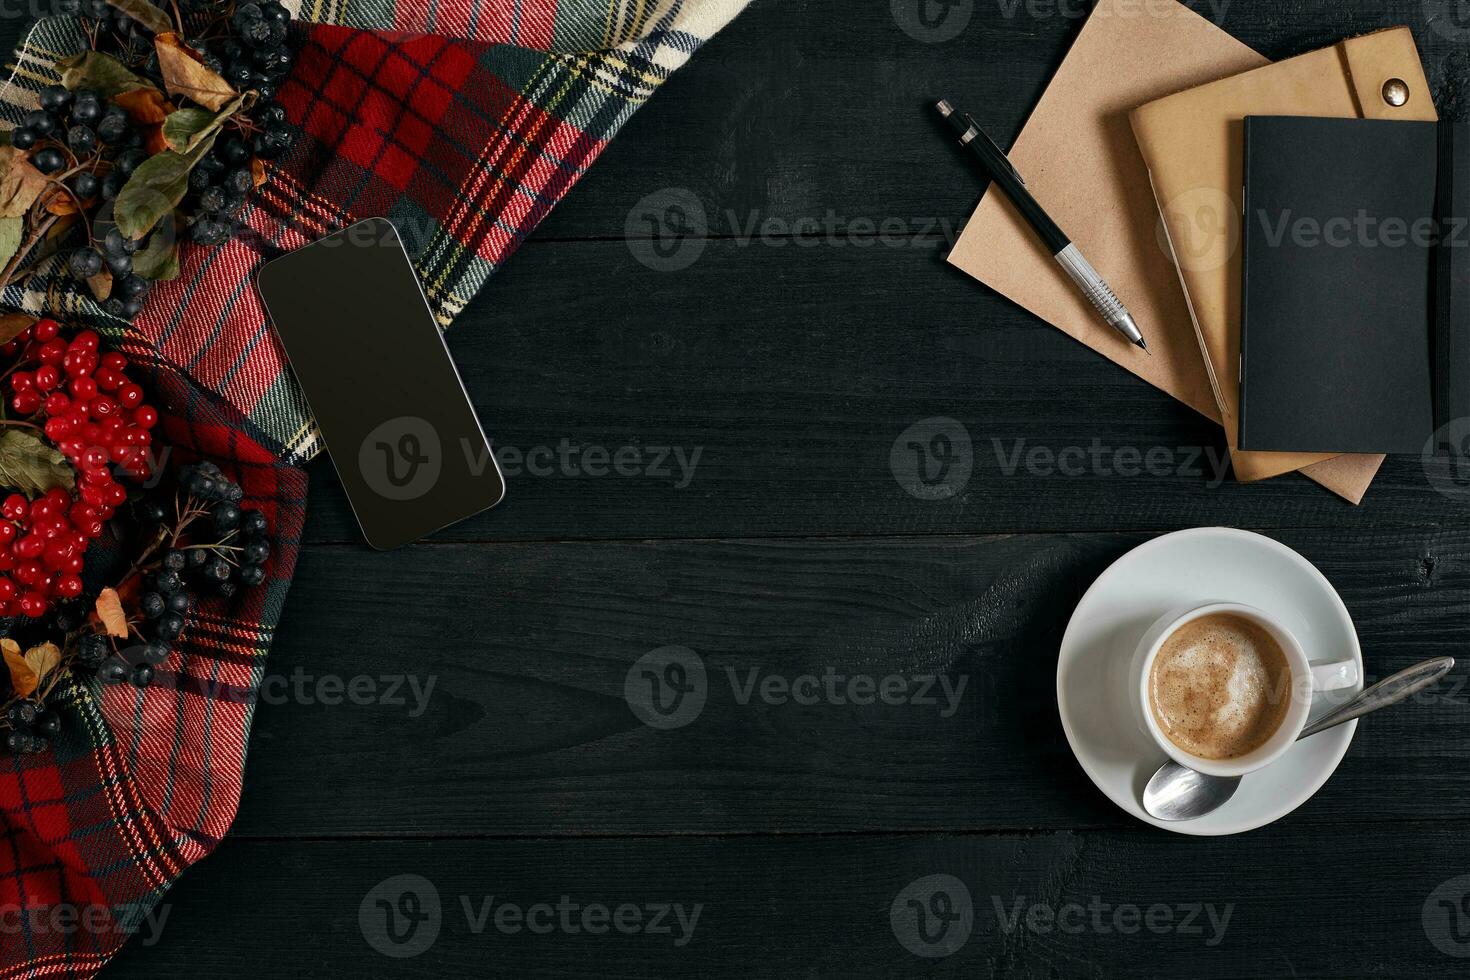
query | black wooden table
(700,436)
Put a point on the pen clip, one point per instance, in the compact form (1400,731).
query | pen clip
(981,134)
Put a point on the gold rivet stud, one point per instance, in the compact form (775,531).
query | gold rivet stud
(1395,92)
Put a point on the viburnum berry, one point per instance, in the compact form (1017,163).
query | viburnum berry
(82,401)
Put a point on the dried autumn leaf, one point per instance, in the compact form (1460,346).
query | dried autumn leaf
(102,72)
(30,466)
(154,141)
(20,183)
(63,225)
(12,325)
(110,613)
(146,107)
(59,202)
(101,285)
(43,659)
(185,75)
(12,232)
(144,13)
(22,676)
(257,171)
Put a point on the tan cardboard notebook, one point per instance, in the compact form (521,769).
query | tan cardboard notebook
(1193,145)
(1079,157)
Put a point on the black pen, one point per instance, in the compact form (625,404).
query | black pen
(1000,170)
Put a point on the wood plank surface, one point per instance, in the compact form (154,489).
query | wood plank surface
(1288,901)
(735,444)
(526,729)
(793,408)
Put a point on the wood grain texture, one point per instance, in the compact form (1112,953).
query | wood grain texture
(1292,901)
(801,353)
(527,731)
(789,397)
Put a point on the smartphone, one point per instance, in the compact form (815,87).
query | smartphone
(373,364)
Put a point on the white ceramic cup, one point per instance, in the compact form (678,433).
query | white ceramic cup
(1307,679)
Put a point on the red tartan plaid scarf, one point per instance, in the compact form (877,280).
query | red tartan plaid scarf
(464,124)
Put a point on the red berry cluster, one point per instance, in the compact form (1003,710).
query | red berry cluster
(86,406)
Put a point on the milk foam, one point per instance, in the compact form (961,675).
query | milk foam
(1219,687)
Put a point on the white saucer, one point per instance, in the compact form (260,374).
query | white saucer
(1180,569)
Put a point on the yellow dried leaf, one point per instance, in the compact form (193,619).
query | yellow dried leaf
(110,613)
(101,284)
(42,660)
(22,676)
(20,183)
(184,75)
(13,324)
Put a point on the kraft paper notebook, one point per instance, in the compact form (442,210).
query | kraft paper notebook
(1193,143)
(1078,155)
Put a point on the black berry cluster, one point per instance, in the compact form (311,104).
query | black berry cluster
(255,58)
(83,123)
(226,548)
(108,18)
(218,187)
(91,135)
(32,727)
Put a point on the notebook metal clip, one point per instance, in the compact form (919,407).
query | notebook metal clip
(980,134)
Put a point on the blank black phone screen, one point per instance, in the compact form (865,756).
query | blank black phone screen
(372,362)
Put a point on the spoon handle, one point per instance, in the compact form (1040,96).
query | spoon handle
(1390,690)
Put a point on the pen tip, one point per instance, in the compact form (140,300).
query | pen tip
(945,109)
(1144,347)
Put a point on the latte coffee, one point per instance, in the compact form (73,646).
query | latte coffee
(1220,686)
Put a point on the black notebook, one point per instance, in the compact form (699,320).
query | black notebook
(1355,303)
